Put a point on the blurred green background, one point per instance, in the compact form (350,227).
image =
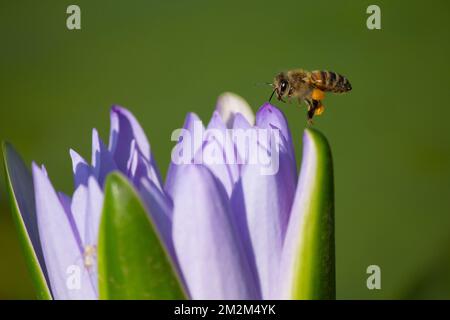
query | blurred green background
(390,136)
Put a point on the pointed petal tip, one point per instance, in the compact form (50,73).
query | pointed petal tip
(270,117)
(39,173)
(8,148)
(316,137)
(120,110)
(229,104)
(6,145)
(268,108)
(76,157)
(123,126)
(311,132)
(35,168)
(95,132)
(190,119)
(267,104)
(81,169)
(78,162)
(117,108)
(192,115)
(240,122)
(216,121)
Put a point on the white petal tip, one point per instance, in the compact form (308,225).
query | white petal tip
(229,104)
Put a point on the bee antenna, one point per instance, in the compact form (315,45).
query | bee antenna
(271,96)
(264,83)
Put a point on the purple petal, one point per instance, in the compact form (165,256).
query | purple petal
(218,153)
(242,135)
(269,116)
(240,122)
(86,208)
(267,197)
(138,167)
(44,170)
(63,255)
(189,142)
(216,122)
(66,202)
(160,209)
(77,209)
(230,104)
(125,129)
(210,252)
(81,169)
(102,159)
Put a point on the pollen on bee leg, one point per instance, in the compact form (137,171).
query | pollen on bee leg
(318,94)
(319,110)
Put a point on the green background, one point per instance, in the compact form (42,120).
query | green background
(390,136)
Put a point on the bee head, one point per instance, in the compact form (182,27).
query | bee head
(281,86)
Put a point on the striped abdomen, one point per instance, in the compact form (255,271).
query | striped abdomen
(330,81)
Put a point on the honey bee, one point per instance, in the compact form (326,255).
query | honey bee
(309,87)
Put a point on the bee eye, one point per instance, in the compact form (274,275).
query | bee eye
(283,85)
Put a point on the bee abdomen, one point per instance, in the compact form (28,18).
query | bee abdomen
(330,81)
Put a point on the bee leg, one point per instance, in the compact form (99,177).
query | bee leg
(310,116)
(281,99)
(311,111)
(319,109)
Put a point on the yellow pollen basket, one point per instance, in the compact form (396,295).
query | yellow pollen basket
(318,94)
(319,110)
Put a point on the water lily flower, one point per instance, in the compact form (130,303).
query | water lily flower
(233,218)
